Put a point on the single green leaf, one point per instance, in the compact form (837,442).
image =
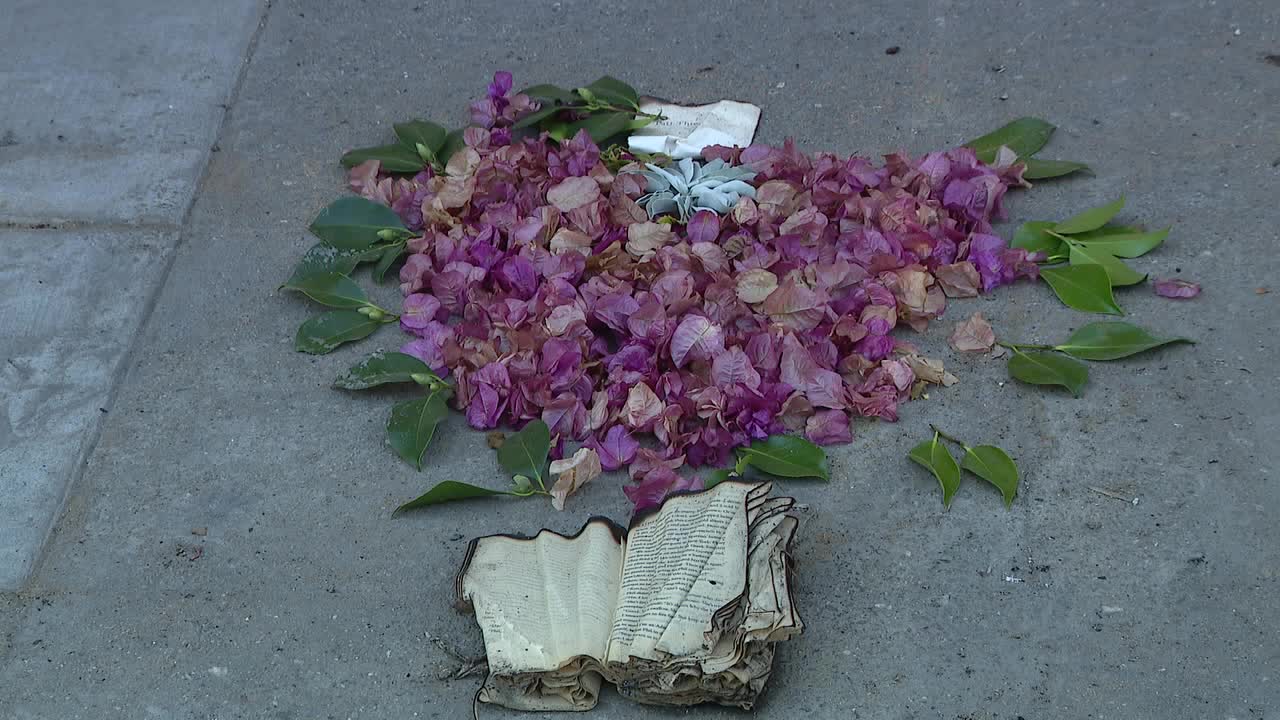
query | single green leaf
(396,157)
(449,491)
(331,289)
(1090,219)
(421,132)
(1083,287)
(934,457)
(323,257)
(1112,341)
(550,92)
(613,90)
(1024,136)
(1118,272)
(601,126)
(353,223)
(1038,169)
(525,452)
(995,466)
(389,257)
(326,331)
(1033,237)
(412,425)
(787,456)
(1039,367)
(717,476)
(453,142)
(1122,241)
(381,368)
(547,110)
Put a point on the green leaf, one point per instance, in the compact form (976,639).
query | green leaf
(1122,241)
(453,142)
(934,457)
(1083,287)
(324,332)
(717,476)
(1039,367)
(550,92)
(353,223)
(421,132)
(389,257)
(1024,136)
(1112,341)
(412,425)
(547,110)
(1118,273)
(995,466)
(381,368)
(1090,219)
(525,452)
(1044,169)
(323,257)
(601,126)
(1033,237)
(449,491)
(613,90)
(396,157)
(331,289)
(787,456)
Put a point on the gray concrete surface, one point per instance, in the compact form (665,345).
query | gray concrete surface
(307,600)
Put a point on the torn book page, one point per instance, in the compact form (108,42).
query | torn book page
(684,130)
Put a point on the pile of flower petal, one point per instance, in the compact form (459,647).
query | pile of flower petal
(544,291)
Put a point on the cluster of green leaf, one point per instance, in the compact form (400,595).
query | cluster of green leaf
(413,423)
(1091,246)
(523,455)
(352,231)
(419,144)
(986,461)
(1099,341)
(608,109)
(1025,137)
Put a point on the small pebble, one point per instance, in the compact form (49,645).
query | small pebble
(892,50)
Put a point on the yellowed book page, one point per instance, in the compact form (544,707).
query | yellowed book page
(542,602)
(683,563)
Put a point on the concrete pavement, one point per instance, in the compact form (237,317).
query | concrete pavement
(305,599)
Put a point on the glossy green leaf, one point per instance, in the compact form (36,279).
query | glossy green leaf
(601,126)
(449,491)
(412,425)
(1033,237)
(1083,287)
(717,476)
(525,452)
(550,92)
(453,142)
(1090,219)
(331,289)
(1112,341)
(353,223)
(995,466)
(381,368)
(396,157)
(1122,241)
(1038,169)
(389,257)
(787,456)
(326,331)
(1024,136)
(1039,367)
(934,457)
(613,90)
(532,119)
(421,132)
(1118,272)
(323,257)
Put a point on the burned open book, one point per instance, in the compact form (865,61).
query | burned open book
(682,608)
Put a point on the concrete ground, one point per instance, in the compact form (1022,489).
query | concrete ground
(159,163)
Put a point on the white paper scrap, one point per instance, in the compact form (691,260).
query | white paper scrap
(685,130)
